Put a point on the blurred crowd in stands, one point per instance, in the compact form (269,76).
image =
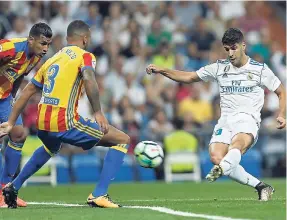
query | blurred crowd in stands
(127,36)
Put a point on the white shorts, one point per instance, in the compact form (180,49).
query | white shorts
(230,125)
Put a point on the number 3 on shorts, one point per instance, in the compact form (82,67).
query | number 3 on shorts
(52,73)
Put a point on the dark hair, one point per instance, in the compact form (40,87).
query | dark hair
(41,29)
(232,36)
(178,123)
(77,27)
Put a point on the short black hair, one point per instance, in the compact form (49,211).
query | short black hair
(77,27)
(178,123)
(232,36)
(41,29)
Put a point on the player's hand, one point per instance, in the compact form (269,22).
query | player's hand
(5,128)
(102,121)
(281,122)
(153,69)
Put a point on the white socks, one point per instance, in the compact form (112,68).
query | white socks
(230,167)
(240,175)
(230,161)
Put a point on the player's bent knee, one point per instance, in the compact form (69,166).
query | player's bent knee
(18,134)
(215,158)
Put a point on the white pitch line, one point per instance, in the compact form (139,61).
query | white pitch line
(153,208)
(182,200)
(56,204)
(185,214)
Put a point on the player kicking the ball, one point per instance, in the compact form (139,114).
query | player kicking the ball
(61,80)
(241,82)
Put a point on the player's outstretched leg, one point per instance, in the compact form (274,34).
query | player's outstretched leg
(227,163)
(264,190)
(13,145)
(3,144)
(231,155)
(38,159)
(12,157)
(118,142)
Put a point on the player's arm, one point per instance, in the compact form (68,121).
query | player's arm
(281,119)
(271,82)
(22,101)
(18,108)
(176,75)
(92,91)
(16,85)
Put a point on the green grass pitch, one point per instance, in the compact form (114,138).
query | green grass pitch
(222,198)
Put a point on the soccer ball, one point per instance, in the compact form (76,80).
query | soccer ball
(149,154)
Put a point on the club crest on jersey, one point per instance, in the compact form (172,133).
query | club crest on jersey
(249,76)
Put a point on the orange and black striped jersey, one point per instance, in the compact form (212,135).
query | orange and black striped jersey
(61,81)
(14,62)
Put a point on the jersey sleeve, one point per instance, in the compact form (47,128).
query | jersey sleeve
(208,73)
(268,79)
(38,79)
(7,49)
(88,61)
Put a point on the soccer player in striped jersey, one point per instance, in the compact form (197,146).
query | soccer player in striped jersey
(61,80)
(18,56)
(241,82)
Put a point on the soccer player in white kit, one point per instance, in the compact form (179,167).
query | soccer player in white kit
(241,82)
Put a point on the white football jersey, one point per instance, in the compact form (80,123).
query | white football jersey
(241,89)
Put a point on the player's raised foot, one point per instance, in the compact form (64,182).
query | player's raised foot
(102,202)
(264,191)
(10,195)
(214,173)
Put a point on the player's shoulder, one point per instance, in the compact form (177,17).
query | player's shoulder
(18,40)
(20,44)
(81,53)
(9,47)
(6,44)
(256,63)
(256,67)
(89,54)
(5,41)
